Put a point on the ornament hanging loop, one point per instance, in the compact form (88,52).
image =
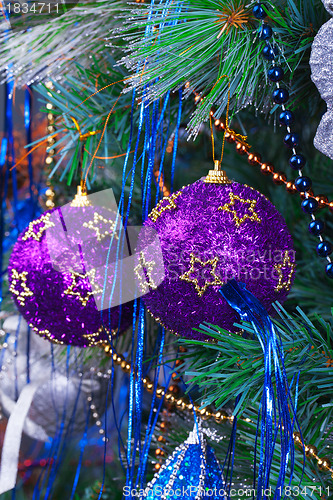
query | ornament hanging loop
(219,176)
(82,189)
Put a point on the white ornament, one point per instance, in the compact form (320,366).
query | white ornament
(60,396)
(321,62)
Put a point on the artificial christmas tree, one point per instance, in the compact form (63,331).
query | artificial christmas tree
(134,89)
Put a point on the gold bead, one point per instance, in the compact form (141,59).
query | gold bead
(48,160)
(266,168)
(157,467)
(218,417)
(174,389)
(160,392)
(324,463)
(189,406)
(204,413)
(150,386)
(159,452)
(170,398)
(180,404)
(297,437)
(49,193)
(310,451)
(161,439)
(49,203)
(279,178)
(322,200)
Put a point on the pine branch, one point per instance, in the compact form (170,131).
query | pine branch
(175,44)
(52,48)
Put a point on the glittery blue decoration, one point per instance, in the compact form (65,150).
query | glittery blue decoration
(192,471)
(277,411)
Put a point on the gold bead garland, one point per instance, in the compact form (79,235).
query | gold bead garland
(183,403)
(242,147)
(50,151)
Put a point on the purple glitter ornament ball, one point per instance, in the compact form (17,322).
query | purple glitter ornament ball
(52,285)
(210,233)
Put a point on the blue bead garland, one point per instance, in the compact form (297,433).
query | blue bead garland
(297,161)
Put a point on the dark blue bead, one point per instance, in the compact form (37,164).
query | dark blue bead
(280,96)
(310,205)
(324,248)
(329,270)
(303,184)
(297,162)
(265,32)
(291,140)
(286,118)
(275,74)
(316,227)
(269,53)
(258,11)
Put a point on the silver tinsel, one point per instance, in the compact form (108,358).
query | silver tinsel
(321,62)
(64,383)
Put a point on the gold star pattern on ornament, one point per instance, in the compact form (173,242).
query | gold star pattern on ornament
(211,262)
(232,17)
(239,220)
(93,224)
(285,265)
(38,233)
(160,207)
(20,280)
(76,277)
(143,271)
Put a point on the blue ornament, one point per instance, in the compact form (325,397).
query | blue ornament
(259,11)
(275,74)
(280,96)
(291,140)
(297,162)
(192,471)
(309,205)
(329,270)
(286,117)
(265,32)
(269,53)
(324,248)
(316,227)
(303,183)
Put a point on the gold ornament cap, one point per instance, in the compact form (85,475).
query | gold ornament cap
(80,199)
(217,176)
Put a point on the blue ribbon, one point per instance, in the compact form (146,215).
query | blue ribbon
(277,412)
